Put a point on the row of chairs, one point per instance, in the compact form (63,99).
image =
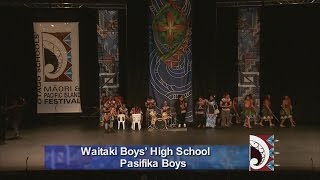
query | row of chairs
(136,119)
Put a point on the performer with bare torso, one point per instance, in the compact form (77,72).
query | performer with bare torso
(150,105)
(266,111)
(226,105)
(286,112)
(165,112)
(235,110)
(248,111)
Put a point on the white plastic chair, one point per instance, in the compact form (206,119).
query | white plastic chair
(136,119)
(121,121)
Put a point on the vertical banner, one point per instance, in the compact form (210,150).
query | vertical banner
(108,52)
(57,59)
(249,54)
(170,56)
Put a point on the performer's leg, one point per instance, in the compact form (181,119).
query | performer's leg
(106,127)
(184,119)
(214,119)
(245,124)
(225,119)
(249,123)
(292,122)
(198,118)
(178,116)
(282,121)
(228,116)
(15,126)
(262,120)
(204,121)
(270,122)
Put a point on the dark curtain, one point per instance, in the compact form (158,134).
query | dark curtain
(136,63)
(227,52)
(290,52)
(18,67)
(204,61)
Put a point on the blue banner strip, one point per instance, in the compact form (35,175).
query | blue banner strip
(147,157)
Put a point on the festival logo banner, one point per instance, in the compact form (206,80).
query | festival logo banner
(57,59)
(170,56)
(249,54)
(108,53)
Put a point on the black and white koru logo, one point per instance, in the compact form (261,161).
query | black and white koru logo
(261,153)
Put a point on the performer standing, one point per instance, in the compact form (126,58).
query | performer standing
(212,106)
(248,111)
(254,114)
(201,112)
(226,105)
(150,105)
(235,111)
(107,118)
(16,111)
(181,109)
(165,112)
(286,111)
(267,114)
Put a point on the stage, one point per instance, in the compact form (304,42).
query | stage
(299,147)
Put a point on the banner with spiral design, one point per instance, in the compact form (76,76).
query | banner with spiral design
(170,55)
(57,60)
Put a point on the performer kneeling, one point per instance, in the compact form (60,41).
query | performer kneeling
(212,112)
(267,114)
(286,111)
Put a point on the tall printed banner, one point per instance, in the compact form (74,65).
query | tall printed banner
(108,51)
(249,54)
(57,59)
(170,56)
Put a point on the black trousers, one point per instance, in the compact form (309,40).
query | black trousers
(181,118)
(201,119)
(3,127)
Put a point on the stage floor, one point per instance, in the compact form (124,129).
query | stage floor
(299,147)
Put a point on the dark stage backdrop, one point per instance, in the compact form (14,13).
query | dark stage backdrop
(227,51)
(134,70)
(18,68)
(290,55)
(204,64)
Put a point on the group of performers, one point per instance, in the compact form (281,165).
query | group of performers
(208,112)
